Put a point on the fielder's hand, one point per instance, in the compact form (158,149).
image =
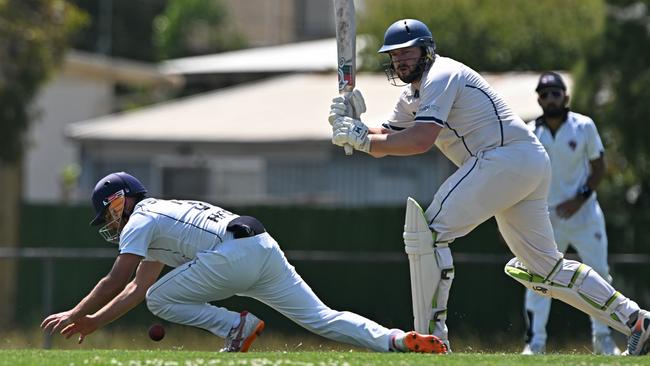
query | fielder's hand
(58,321)
(353,107)
(346,132)
(84,326)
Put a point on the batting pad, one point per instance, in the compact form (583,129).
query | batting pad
(431,269)
(578,285)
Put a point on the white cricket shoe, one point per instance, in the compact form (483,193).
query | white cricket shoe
(534,349)
(639,341)
(240,338)
(603,344)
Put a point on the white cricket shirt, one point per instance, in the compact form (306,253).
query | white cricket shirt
(576,143)
(174,231)
(474,116)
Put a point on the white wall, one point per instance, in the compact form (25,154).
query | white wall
(65,99)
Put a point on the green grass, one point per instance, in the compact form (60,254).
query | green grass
(329,358)
(185,346)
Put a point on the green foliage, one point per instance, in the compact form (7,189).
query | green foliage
(119,28)
(33,38)
(193,27)
(494,35)
(612,86)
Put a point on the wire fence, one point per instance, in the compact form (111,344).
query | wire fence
(48,256)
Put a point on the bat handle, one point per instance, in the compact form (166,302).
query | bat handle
(348,148)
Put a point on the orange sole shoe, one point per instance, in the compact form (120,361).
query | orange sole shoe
(251,338)
(424,343)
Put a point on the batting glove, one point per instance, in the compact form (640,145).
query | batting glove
(346,132)
(353,106)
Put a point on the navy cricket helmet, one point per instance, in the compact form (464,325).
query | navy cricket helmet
(408,33)
(108,186)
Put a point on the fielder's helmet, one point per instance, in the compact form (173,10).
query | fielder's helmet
(108,186)
(407,33)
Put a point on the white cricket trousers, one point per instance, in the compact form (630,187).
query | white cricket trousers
(585,232)
(254,267)
(511,183)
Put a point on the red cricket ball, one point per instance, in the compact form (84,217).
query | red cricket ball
(156,332)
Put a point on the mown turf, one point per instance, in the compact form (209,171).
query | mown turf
(192,358)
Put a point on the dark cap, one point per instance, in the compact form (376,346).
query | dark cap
(550,80)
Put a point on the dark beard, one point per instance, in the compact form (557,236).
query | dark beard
(415,75)
(554,112)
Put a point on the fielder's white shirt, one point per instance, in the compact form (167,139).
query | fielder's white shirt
(174,231)
(475,118)
(575,144)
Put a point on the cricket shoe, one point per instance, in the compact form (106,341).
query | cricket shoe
(639,341)
(603,344)
(240,338)
(424,343)
(533,349)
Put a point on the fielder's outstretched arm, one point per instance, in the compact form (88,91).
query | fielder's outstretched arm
(105,290)
(133,294)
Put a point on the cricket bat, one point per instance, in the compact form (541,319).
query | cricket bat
(346,49)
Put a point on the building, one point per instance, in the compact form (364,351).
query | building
(84,88)
(267,142)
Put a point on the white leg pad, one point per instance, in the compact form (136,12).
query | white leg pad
(577,285)
(432,271)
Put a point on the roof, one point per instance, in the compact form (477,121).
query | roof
(284,108)
(311,56)
(121,70)
(293,107)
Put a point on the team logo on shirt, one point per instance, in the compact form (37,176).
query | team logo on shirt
(573,144)
(427,107)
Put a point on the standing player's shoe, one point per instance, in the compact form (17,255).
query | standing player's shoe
(603,344)
(424,343)
(533,349)
(240,338)
(639,341)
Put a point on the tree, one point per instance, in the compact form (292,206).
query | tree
(119,28)
(33,36)
(194,27)
(494,35)
(612,86)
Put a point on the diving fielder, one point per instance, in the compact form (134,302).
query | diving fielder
(503,172)
(577,167)
(215,254)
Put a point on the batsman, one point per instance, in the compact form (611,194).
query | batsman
(503,172)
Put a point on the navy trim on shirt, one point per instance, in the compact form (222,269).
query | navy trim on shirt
(430,118)
(494,106)
(462,138)
(389,127)
(169,250)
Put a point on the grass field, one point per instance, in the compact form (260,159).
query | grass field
(330,358)
(185,346)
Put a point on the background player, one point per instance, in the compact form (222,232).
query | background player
(216,254)
(503,172)
(577,165)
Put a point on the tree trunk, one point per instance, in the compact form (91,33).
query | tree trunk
(10,199)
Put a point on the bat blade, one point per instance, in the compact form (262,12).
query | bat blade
(346,49)
(346,34)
